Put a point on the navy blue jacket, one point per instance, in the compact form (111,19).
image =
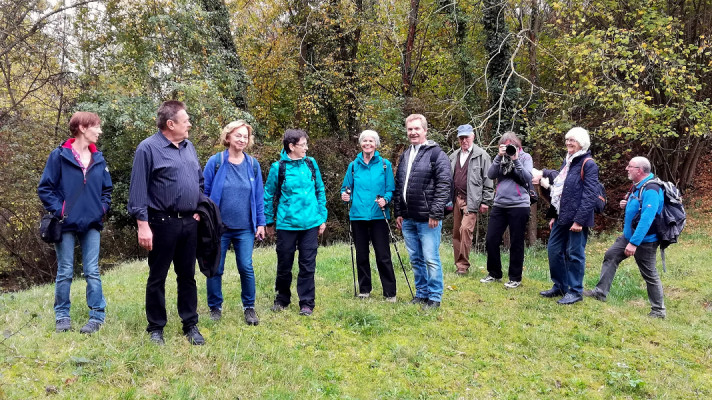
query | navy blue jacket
(579,195)
(62,179)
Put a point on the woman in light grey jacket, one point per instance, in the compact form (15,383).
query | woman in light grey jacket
(512,168)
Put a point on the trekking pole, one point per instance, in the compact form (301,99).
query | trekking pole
(351,241)
(393,240)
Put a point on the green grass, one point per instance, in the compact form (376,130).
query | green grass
(485,342)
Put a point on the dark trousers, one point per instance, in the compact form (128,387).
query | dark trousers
(174,240)
(376,232)
(645,257)
(500,218)
(307,242)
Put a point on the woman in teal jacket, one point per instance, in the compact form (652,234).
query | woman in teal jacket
(369,186)
(295,204)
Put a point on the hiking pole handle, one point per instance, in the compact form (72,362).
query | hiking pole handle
(379,197)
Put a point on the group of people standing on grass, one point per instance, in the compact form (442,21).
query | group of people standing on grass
(168,185)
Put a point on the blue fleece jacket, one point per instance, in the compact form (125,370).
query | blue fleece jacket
(214,182)
(62,181)
(367,182)
(652,204)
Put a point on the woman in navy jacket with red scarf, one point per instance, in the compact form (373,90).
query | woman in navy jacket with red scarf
(76,186)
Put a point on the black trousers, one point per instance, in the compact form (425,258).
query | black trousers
(307,241)
(500,218)
(174,240)
(375,232)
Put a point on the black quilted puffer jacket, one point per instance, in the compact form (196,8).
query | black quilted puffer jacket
(429,184)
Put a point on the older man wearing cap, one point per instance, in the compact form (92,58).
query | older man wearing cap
(473,192)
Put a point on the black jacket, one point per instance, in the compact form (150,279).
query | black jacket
(429,184)
(210,229)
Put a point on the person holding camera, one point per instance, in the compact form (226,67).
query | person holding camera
(512,168)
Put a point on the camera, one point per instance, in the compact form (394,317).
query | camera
(510,150)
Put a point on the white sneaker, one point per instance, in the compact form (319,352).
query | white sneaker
(391,299)
(489,279)
(364,295)
(512,284)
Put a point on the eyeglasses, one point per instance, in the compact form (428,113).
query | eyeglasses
(302,145)
(631,167)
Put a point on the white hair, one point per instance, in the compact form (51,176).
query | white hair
(642,163)
(369,133)
(581,136)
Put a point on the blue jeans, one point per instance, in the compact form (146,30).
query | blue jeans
(423,244)
(89,242)
(567,257)
(243,241)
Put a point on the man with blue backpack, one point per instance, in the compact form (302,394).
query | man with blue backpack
(643,209)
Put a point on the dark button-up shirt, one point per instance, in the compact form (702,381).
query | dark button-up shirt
(165,177)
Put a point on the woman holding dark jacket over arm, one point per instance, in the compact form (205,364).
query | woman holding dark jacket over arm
(233,180)
(76,186)
(512,168)
(369,186)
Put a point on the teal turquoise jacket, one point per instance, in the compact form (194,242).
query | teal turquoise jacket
(302,204)
(367,182)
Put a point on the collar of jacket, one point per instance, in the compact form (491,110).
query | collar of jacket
(69,142)
(375,159)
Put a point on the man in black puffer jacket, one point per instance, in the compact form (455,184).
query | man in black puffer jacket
(423,185)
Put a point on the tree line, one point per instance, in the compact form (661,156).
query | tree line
(635,73)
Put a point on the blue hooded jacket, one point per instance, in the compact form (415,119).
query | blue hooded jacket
(302,203)
(62,181)
(367,182)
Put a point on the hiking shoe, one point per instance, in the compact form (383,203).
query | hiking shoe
(431,304)
(512,284)
(194,336)
(157,337)
(251,316)
(90,327)
(63,325)
(215,314)
(570,298)
(306,311)
(553,292)
(594,294)
(490,279)
(656,314)
(418,300)
(277,307)
(364,295)
(391,299)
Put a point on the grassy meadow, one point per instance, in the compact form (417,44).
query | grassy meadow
(485,342)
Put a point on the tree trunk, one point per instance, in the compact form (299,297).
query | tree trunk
(406,70)
(219,19)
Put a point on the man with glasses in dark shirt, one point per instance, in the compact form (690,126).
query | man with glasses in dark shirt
(166,182)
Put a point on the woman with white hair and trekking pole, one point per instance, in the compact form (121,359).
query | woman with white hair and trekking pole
(368,186)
